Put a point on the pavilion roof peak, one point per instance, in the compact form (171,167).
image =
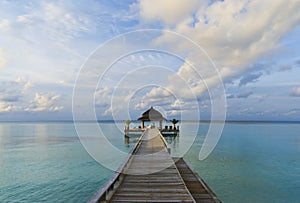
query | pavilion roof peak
(151,115)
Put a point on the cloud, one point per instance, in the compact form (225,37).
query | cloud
(3,60)
(44,102)
(23,82)
(6,107)
(17,96)
(51,38)
(292,112)
(40,37)
(241,95)
(59,21)
(289,67)
(103,97)
(234,34)
(263,97)
(295,92)
(14,91)
(284,68)
(230,96)
(250,78)
(155,97)
(12,95)
(244,94)
(168,11)
(10,98)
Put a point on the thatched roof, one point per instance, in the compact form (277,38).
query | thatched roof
(151,115)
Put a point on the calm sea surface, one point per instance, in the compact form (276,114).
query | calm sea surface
(253,162)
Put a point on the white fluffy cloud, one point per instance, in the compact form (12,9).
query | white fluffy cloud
(44,102)
(13,91)
(234,34)
(168,11)
(16,96)
(7,107)
(25,83)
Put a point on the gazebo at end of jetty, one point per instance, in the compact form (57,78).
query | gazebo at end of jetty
(152,115)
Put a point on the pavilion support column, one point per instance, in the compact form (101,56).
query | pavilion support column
(160,124)
(143,125)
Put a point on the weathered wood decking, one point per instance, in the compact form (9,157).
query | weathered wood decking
(151,175)
(197,187)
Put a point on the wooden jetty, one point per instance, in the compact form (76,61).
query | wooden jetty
(149,174)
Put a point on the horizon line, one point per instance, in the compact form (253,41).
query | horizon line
(111,120)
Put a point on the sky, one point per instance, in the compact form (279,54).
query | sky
(233,60)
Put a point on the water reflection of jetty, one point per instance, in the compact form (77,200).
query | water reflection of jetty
(153,117)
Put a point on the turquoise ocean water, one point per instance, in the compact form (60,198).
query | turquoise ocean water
(253,162)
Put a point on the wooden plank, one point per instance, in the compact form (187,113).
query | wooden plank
(152,200)
(154,165)
(198,188)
